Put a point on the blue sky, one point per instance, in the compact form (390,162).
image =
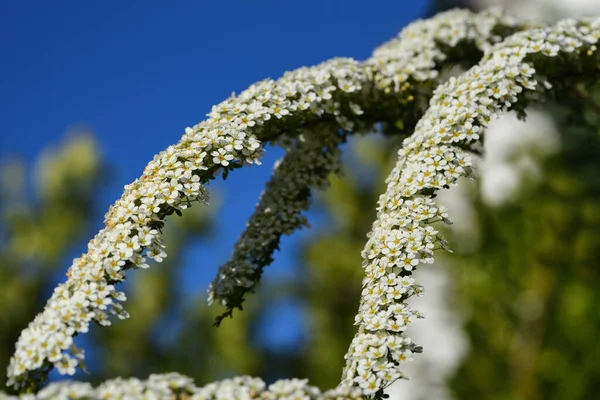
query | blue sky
(138,72)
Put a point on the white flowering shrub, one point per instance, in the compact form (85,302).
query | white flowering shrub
(310,112)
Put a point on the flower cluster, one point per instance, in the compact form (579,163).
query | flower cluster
(176,386)
(254,388)
(420,49)
(398,72)
(433,158)
(308,162)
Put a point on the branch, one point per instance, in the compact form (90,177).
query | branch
(433,158)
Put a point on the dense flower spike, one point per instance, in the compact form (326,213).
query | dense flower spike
(434,157)
(309,161)
(341,93)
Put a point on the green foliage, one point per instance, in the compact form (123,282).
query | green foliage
(532,286)
(39,226)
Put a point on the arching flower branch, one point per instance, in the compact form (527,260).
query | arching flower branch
(400,77)
(402,238)
(230,138)
(434,157)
